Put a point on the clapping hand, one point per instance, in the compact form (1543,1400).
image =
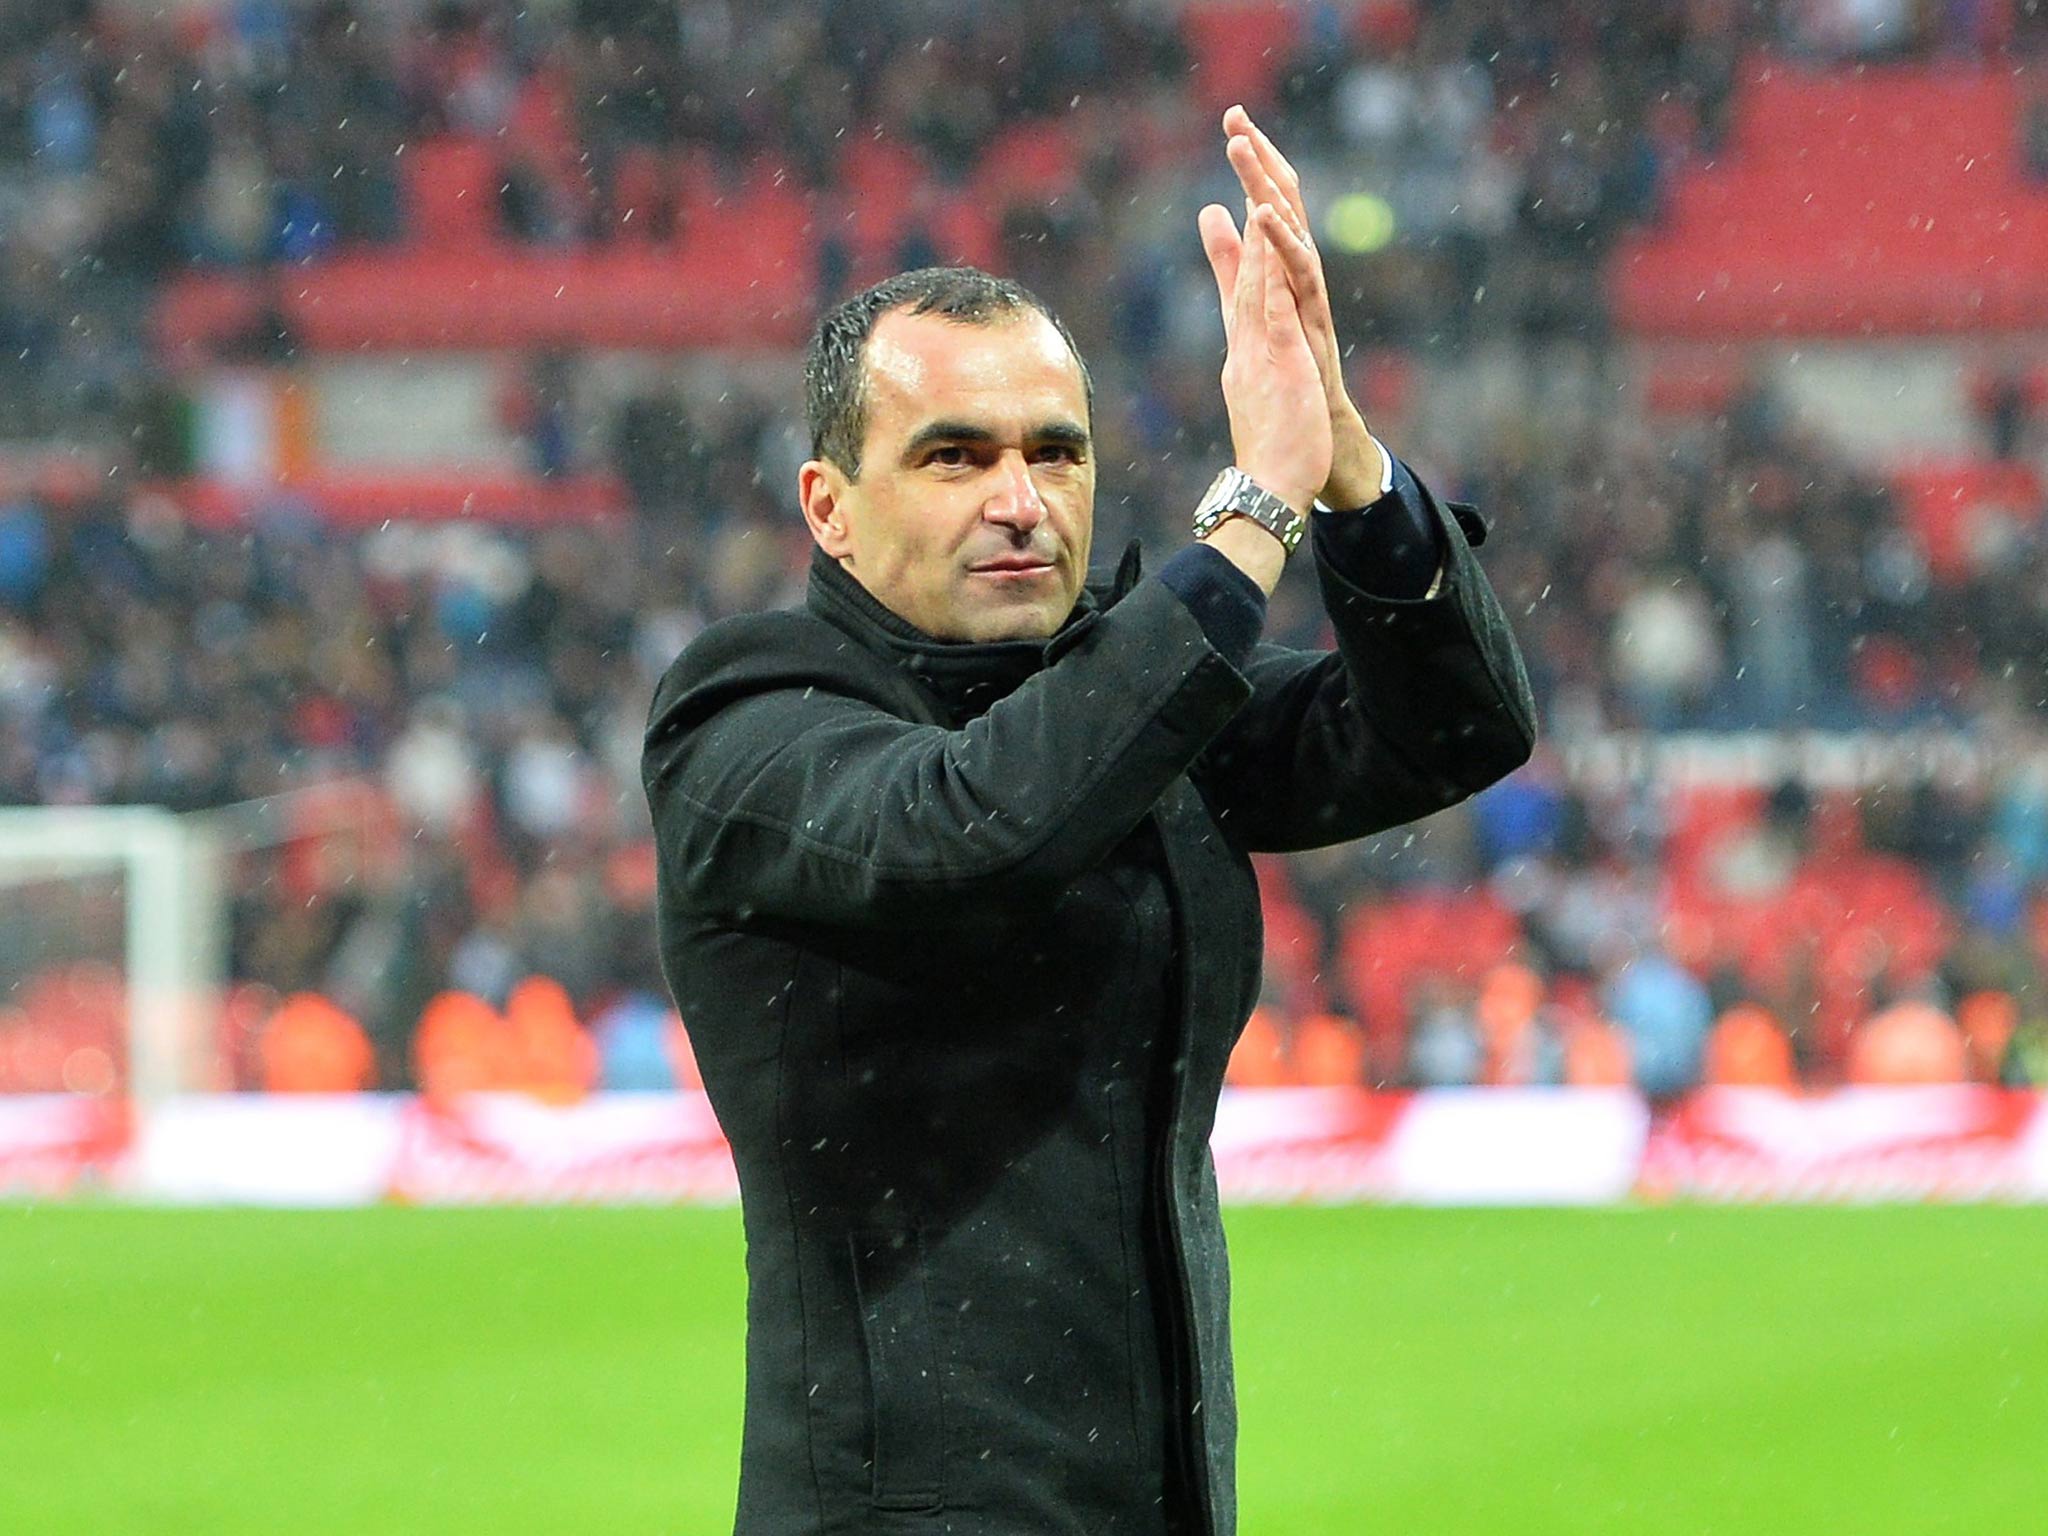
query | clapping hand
(1271,382)
(1271,183)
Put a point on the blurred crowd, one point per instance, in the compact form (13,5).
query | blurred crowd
(1675,933)
(482,690)
(488,688)
(1705,574)
(1509,144)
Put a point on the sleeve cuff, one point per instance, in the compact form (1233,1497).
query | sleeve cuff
(1386,479)
(1228,604)
(1390,548)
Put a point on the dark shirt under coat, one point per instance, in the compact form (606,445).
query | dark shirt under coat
(963,935)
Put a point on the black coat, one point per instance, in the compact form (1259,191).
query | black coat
(963,936)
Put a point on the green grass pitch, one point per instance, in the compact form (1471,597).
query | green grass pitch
(1647,1371)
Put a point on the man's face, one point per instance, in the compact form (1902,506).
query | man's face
(976,499)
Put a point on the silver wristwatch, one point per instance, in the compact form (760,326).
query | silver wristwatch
(1236,494)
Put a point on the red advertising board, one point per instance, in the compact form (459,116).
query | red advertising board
(52,1143)
(623,1148)
(1482,1146)
(1960,1142)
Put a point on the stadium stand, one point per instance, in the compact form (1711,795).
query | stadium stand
(203,600)
(1893,199)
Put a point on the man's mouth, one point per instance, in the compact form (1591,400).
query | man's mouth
(1011,565)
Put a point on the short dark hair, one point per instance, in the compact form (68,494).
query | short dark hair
(835,365)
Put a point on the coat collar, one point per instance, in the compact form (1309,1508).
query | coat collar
(967,676)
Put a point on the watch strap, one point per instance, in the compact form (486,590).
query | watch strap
(1233,493)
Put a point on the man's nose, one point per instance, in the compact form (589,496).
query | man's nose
(1015,502)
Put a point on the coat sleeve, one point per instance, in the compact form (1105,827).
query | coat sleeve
(1424,702)
(779,790)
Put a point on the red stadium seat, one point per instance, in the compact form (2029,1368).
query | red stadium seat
(1691,383)
(451,189)
(643,196)
(1030,162)
(1385,948)
(1953,505)
(1294,952)
(1700,817)
(1880,199)
(878,178)
(2033,382)
(1239,48)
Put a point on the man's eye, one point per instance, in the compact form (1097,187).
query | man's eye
(1060,453)
(952,456)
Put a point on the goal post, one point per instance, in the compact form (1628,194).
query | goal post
(127,910)
(134,889)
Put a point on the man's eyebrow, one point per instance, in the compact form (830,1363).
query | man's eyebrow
(945,432)
(1071,434)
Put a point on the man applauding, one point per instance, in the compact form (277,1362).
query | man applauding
(955,892)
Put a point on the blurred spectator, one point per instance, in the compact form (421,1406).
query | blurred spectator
(632,1038)
(1748,1050)
(1445,1049)
(1666,1014)
(2007,408)
(311,1046)
(1908,1043)
(1666,653)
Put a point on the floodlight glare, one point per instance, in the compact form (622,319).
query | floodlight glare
(1359,223)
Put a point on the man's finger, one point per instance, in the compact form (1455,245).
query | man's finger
(1298,259)
(1257,180)
(1250,313)
(1278,168)
(1223,247)
(1275,294)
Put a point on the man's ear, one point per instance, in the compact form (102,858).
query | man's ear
(822,487)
